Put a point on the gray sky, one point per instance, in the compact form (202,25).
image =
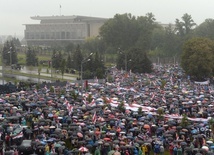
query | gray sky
(15,13)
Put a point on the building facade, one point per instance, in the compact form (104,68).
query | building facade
(53,30)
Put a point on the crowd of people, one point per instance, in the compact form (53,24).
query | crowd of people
(161,113)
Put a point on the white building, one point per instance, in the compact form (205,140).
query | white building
(54,30)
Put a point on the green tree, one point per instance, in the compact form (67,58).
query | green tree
(205,29)
(211,124)
(184,121)
(185,26)
(16,42)
(160,113)
(56,60)
(198,58)
(146,25)
(140,111)
(39,72)
(95,44)
(9,53)
(139,62)
(69,48)
(31,57)
(69,61)
(77,58)
(121,107)
(62,67)
(120,31)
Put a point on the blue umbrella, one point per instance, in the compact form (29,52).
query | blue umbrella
(212,147)
(50,115)
(194,131)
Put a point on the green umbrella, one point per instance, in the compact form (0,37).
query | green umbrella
(111,152)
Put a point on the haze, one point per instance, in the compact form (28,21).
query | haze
(16,13)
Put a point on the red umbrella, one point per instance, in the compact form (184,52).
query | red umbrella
(106,139)
(146,126)
(79,135)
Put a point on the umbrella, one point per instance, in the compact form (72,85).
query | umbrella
(79,135)
(83,149)
(111,152)
(212,147)
(205,148)
(209,142)
(183,143)
(146,126)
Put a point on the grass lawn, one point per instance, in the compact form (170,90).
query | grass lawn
(22,58)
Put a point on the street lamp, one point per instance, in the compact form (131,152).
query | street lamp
(10,58)
(2,62)
(82,62)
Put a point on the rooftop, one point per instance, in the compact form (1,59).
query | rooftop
(62,17)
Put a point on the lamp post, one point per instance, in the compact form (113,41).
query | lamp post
(82,62)
(2,62)
(10,58)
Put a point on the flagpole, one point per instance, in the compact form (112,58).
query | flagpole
(60,9)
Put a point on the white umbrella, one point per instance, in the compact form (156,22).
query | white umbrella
(209,142)
(83,149)
(205,148)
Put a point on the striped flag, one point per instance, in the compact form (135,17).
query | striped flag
(18,135)
(65,102)
(93,103)
(153,96)
(94,118)
(164,99)
(70,108)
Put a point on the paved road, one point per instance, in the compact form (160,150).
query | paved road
(35,72)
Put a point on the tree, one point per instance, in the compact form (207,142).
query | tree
(95,44)
(56,59)
(120,31)
(9,53)
(139,62)
(69,61)
(198,58)
(31,57)
(39,72)
(62,67)
(211,124)
(146,25)
(16,42)
(185,26)
(160,113)
(77,58)
(69,48)
(184,121)
(205,29)
(98,66)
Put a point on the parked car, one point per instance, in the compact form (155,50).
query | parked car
(16,66)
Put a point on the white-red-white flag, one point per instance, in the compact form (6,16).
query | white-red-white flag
(65,102)
(153,96)
(94,118)
(70,108)
(93,103)
(164,99)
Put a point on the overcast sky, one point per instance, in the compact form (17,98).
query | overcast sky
(15,13)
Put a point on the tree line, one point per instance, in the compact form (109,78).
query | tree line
(132,41)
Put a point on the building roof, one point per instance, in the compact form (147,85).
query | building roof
(62,17)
